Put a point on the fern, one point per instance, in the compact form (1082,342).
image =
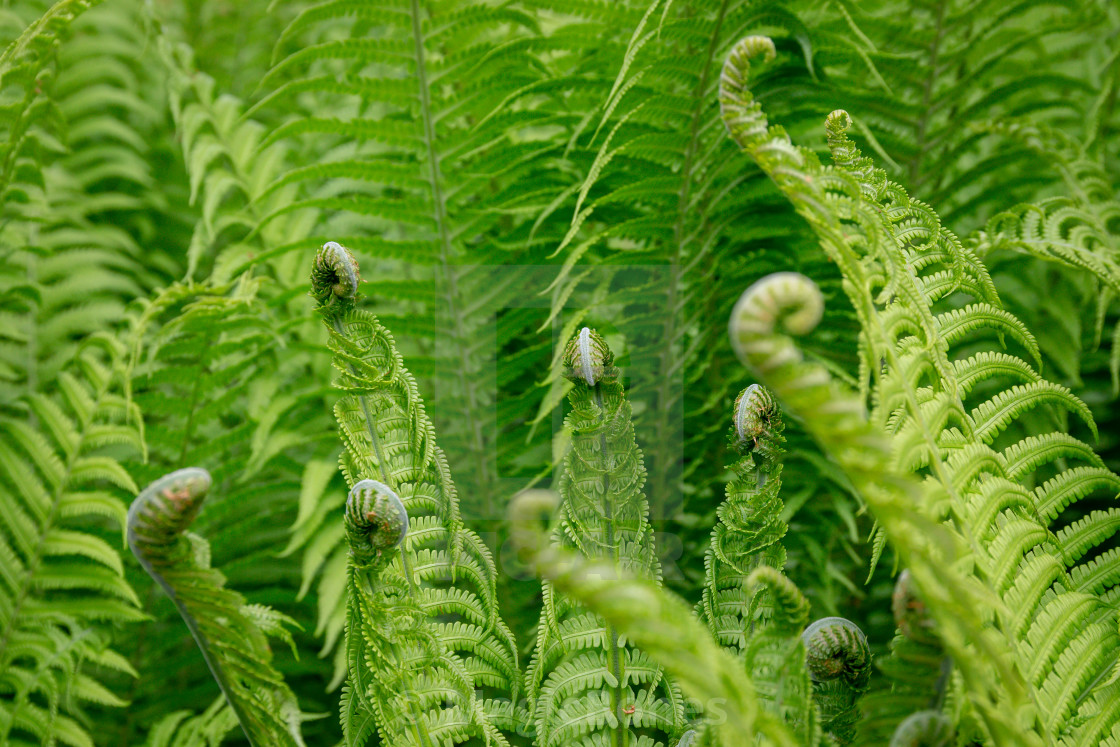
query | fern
(916,668)
(908,263)
(63,590)
(421,176)
(229,632)
(656,621)
(423,626)
(942,66)
(586,683)
(839,663)
(662,203)
(184,729)
(750,528)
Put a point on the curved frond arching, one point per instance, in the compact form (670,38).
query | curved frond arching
(862,221)
(230,633)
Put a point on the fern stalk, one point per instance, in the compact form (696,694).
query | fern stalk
(440,583)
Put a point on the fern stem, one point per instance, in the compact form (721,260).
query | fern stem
(620,736)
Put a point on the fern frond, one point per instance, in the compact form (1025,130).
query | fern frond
(63,583)
(863,221)
(835,417)
(226,629)
(423,619)
(657,622)
(585,682)
(185,729)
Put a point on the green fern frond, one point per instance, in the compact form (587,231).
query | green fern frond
(657,622)
(185,729)
(584,680)
(750,528)
(63,583)
(423,623)
(861,219)
(227,630)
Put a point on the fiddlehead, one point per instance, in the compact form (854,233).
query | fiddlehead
(924,729)
(229,632)
(836,649)
(335,277)
(839,663)
(423,627)
(376,522)
(910,613)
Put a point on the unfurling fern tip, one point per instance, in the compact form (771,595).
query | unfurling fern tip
(376,521)
(335,277)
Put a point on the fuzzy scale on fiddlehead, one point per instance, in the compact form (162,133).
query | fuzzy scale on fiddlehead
(586,681)
(423,610)
(839,663)
(229,632)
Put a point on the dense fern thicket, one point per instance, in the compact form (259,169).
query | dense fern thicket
(505,478)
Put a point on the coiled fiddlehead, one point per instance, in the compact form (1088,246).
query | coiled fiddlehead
(588,359)
(923,729)
(839,663)
(836,649)
(335,277)
(586,681)
(376,521)
(430,660)
(910,613)
(230,633)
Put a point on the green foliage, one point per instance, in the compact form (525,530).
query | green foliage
(229,632)
(588,685)
(63,587)
(511,175)
(658,622)
(1054,622)
(423,627)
